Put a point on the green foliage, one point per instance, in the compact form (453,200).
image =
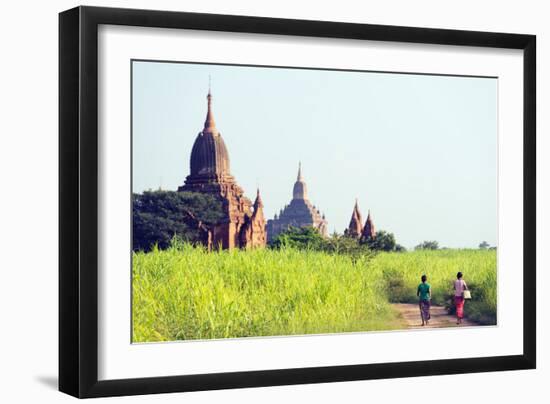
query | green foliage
(158,216)
(394,284)
(340,244)
(484,245)
(301,238)
(185,293)
(427,245)
(384,241)
(309,238)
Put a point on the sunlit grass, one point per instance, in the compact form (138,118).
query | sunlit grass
(187,293)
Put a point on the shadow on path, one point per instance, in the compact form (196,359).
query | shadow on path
(439,317)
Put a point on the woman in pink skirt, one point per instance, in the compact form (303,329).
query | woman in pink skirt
(459,286)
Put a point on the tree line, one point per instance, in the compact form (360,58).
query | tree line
(159,216)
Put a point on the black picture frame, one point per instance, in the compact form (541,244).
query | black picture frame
(78,201)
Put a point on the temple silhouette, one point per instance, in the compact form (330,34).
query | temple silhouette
(356,229)
(300,212)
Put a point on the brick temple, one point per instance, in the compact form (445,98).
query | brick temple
(356,229)
(299,212)
(244,224)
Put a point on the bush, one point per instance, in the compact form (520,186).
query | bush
(427,245)
(309,238)
(384,241)
(338,244)
(301,238)
(394,282)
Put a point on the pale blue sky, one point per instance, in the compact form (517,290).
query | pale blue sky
(420,151)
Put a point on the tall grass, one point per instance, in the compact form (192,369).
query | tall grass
(402,272)
(187,293)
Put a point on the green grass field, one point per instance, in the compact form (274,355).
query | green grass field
(187,293)
(402,271)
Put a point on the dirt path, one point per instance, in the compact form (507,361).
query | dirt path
(411,314)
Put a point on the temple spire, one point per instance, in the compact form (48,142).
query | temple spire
(355,228)
(300,178)
(209,123)
(258,202)
(369,232)
(300,188)
(258,215)
(357,211)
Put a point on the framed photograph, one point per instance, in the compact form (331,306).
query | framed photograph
(251,201)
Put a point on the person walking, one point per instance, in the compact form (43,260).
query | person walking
(424,293)
(460,286)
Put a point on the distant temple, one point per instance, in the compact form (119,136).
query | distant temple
(356,229)
(244,224)
(299,213)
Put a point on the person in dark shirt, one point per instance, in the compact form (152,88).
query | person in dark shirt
(424,293)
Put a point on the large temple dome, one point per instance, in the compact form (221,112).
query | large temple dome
(209,155)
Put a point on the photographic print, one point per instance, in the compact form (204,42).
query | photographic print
(277,201)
